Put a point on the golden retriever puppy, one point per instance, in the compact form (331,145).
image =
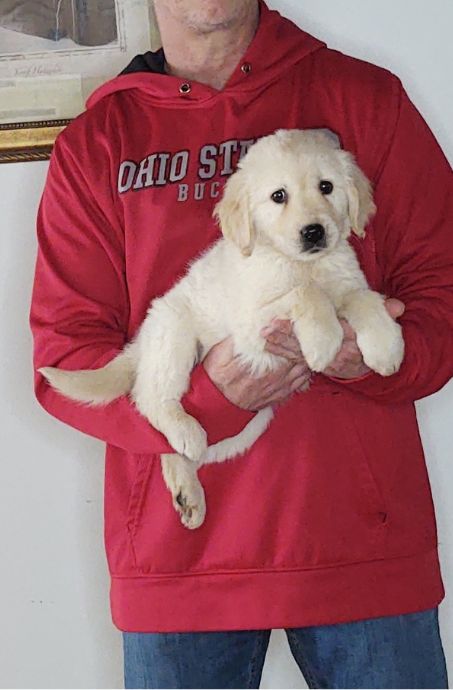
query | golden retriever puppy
(285,215)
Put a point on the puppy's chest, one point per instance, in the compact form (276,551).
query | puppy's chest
(258,298)
(338,273)
(272,295)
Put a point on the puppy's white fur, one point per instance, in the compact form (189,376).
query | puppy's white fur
(256,272)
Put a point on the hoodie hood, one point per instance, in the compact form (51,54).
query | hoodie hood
(277,46)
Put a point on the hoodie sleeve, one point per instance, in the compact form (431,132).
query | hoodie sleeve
(80,311)
(413,232)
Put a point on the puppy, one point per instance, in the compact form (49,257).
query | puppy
(285,215)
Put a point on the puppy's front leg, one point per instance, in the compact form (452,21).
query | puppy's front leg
(180,476)
(183,432)
(167,354)
(379,337)
(316,326)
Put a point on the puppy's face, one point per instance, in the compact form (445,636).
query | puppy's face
(298,192)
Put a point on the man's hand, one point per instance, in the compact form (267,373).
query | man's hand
(249,392)
(348,364)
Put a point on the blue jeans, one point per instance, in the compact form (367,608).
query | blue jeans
(391,652)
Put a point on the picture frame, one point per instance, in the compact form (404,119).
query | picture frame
(53,54)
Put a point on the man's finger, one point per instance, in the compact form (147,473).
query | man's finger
(277,325)
(287,342)
(283,325)
(281,351)
(395,307)
(349,333)
(300,383)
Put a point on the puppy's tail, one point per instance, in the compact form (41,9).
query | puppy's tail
(95,386)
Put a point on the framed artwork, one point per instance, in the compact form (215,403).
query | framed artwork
(53,54)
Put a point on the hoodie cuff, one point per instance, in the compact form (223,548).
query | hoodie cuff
(219,417)
(358,379)
(369,384)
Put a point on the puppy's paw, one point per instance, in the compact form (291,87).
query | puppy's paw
(180,476)
(321,344)
(189,438)
(382,349)
(190,503)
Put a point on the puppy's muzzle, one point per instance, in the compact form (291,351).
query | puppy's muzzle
(313,238)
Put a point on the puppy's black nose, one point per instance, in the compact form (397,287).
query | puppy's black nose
(314,235)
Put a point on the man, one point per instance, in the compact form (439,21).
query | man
(336,541)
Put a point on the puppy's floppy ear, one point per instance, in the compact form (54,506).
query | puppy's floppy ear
(233,213)
(330,137)
(360,195)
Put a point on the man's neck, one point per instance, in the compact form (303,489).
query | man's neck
(209,58)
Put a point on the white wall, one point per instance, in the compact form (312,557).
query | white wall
(55,624)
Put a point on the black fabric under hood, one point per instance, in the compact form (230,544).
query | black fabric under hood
(148,62)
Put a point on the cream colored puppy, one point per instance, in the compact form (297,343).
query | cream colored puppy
(286,214)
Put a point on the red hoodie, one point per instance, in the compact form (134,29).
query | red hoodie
(329,517)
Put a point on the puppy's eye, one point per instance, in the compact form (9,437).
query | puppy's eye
(325,187)
(280,196)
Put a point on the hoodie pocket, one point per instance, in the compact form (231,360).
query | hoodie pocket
(317,503)
(371,493)
(138,491)
(331,505)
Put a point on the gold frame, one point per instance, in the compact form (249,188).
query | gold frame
(29,141)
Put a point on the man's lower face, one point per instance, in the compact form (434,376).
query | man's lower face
(207,15)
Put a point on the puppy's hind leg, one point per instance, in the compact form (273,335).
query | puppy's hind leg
(180,476)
